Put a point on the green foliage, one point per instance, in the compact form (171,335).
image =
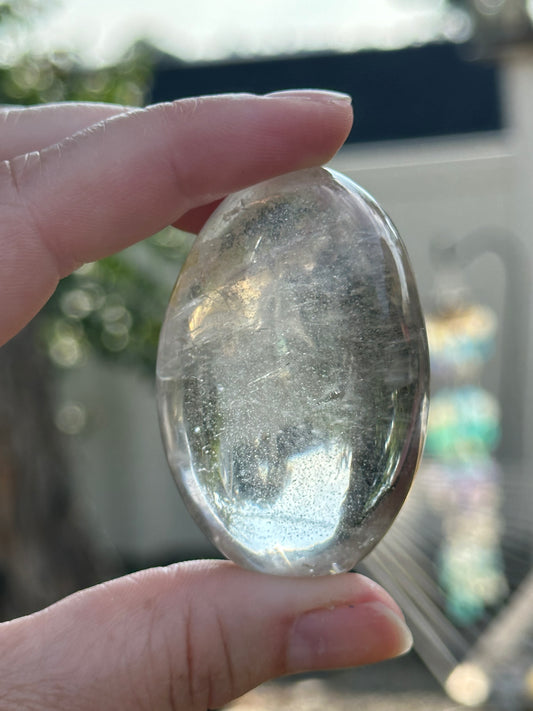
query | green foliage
(115,307)
(60,77)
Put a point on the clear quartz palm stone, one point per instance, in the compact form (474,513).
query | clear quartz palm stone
(293,375)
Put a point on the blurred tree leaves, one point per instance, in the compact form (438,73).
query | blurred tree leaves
(37,79)
(113,308)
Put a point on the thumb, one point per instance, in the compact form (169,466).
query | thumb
(192,636)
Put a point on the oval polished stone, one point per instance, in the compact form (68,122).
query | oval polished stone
(293,375)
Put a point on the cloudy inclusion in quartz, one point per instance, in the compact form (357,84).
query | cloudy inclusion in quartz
(292,375)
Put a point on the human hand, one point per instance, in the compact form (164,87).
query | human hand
(77,183)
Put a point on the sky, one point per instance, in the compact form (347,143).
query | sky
(100,31)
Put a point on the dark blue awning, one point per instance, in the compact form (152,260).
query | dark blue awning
(409,93)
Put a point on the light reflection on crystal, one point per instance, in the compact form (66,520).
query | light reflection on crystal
(300,517)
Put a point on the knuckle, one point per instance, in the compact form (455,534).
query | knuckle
(207,676)
(178,117)
(17,177)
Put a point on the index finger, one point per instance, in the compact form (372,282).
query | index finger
(127,177)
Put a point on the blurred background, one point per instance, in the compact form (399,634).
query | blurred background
(443,138)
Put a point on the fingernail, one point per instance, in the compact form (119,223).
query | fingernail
(346,636)
(325,96)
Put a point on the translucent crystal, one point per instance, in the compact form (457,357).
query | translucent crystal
(292,375)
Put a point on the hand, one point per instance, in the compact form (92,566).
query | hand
(77,183)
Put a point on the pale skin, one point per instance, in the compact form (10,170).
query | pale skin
(79,182)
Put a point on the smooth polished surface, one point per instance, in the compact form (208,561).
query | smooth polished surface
(293,375)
